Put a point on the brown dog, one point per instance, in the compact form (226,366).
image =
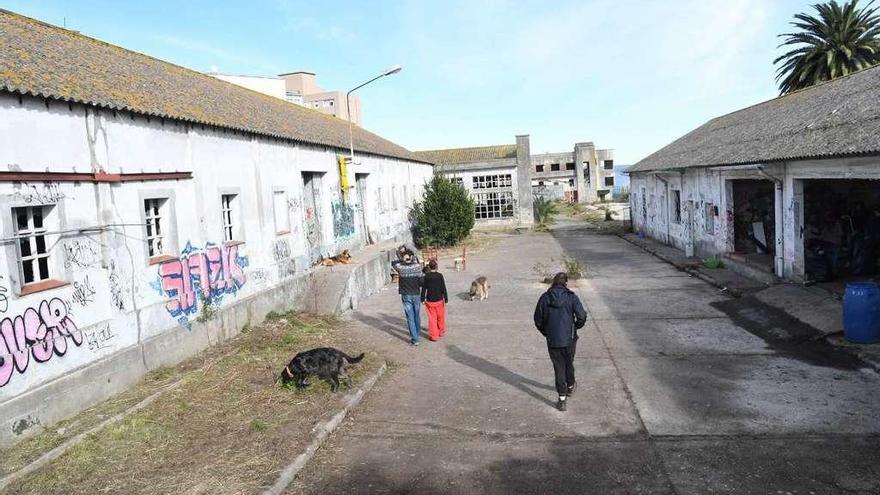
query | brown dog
(340,259)
(480,288)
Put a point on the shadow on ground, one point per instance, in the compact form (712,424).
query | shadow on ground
(499,373)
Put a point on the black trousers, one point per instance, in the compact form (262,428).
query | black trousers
(563,366)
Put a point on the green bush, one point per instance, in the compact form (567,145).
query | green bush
(544,211)
(444,216)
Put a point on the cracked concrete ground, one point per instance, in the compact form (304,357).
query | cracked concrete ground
(678,393)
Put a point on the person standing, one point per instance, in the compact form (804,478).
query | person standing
(409,284)
(435,298)
(558,316)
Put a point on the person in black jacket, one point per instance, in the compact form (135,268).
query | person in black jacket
(435,298)
(558,316)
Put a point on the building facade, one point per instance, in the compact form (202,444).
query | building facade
(585,174)
(498,178)
(787,187)
(302,89)
(135,195)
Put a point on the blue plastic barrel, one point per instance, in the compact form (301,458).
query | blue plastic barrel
(861,312)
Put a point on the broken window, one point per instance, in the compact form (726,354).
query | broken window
(609,181)
(608,164)
(493,181)
(33,253)
(554,167)
(493,205)
(676,206)
(539,168)
(569,166)
(154,210)
(227,205)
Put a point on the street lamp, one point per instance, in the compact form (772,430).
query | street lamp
(394,69)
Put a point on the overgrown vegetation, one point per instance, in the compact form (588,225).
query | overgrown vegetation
(571,266)
(444,216)
(544,210)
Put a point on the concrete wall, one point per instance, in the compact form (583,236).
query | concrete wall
(271,86)
(115,312)
(703,189)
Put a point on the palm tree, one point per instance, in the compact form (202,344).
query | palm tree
(841,40)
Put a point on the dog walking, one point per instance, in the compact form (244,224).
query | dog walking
(409,286)
(558,316)
(435,298)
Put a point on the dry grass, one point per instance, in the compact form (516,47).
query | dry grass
(228,428)
(476,242)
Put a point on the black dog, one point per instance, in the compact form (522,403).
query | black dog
(325,362)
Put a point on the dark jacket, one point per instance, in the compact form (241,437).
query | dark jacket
(558,316)
(434,288)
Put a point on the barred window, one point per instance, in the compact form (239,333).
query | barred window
(33,254)
(493,205)
(493,181)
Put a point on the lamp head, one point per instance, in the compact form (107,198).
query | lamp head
(394,69)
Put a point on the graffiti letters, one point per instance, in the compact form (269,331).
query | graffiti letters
(343,220)
(201,275)
(116,294)
(83,292)
(99,338)
(282,250)
(80,254)
(48,192)
(4,301)
(39,333)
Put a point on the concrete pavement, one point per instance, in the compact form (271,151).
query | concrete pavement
(679,392)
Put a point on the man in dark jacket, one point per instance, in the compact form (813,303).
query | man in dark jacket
(409,287)
(558,316)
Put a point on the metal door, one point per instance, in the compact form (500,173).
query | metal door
(311,202)
(363,228)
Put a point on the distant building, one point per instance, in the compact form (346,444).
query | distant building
(585,174)
(300,88)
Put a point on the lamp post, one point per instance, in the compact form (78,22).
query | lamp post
(394,69)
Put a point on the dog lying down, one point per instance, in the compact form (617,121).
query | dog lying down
(343,258)
(480,288)
(326,363)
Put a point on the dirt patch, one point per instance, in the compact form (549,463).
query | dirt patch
(228,428)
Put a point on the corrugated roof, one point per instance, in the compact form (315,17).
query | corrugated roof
(837,118)
(44,60)
(468,155)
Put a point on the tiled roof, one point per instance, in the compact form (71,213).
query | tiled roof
(468,155)
(47,61)
(837,118)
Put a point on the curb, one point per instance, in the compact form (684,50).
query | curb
(321,432)
(75,440)
(689,270)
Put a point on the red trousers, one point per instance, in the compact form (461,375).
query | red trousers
(436,319)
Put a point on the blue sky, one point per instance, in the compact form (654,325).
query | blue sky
(626,74)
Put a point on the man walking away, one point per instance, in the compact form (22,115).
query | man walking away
(558,316)
(408,286)
(435,298)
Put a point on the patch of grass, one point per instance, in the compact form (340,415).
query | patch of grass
(228,428)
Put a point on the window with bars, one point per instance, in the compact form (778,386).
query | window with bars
(153,210)
(33,254)
(493,205)
(493,181)
(227,212)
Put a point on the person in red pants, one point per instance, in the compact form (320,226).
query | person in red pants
(435,298)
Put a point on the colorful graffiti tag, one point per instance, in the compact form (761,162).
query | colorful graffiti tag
(201,275)
(39,333)
(343,220)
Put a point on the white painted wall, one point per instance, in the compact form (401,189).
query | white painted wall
(711,187)
(112,294)
(467,177)
(272,86)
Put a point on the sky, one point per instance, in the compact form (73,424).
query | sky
(632,75)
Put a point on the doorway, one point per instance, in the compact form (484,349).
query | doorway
(754,222)
(361,183)
(311,209)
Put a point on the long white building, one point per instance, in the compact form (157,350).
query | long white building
(134,193)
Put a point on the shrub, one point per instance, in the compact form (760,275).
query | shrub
(444,216)
(544,211)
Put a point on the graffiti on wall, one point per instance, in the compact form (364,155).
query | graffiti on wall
(201,275)
(4,301)
(100,337)
(286,265)
(116,294)
(343,220)
(83,292)
(47,192)
(80,254)
(39,333)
